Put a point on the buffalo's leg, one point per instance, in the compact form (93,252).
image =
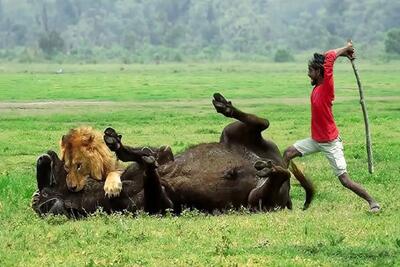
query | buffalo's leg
(155,197)
(47,176)
(246,131)
(272,192)
(43,176)
(228,110)
(45,169)
(304,182)
(127,153)
(124,153)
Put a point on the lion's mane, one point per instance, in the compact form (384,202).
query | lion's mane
(88,145)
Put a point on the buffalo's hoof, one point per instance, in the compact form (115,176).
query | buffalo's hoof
(164,155)
(375,208)
(261,164)
(147,151)
(222,105)
(42,160)
(43,171)
(264,168)
(220,98)
(306,206)
(53,155)
(112,139)
(150,161)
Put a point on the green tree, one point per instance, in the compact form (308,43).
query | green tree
(233,29)
(51,43)
(283,55)
(19,31)
(392,41)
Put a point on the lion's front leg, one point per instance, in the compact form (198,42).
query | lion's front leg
(113,184)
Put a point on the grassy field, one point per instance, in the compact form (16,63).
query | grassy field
(171,104)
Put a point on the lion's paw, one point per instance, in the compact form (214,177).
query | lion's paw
(112,187)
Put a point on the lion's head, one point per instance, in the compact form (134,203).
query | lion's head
(85,155)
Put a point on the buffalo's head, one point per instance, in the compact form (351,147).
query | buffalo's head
(54,197)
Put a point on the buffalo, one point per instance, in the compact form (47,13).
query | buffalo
(241,170)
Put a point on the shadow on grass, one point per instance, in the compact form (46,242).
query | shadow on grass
(329,253)
(350,255)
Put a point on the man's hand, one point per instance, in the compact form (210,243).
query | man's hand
(349,53)
(346,51)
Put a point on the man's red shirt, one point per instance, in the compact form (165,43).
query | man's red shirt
(323,127)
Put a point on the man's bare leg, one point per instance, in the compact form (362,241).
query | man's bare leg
(291,153)
(359,190)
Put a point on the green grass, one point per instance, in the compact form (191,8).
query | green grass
(182,81)
(170,104)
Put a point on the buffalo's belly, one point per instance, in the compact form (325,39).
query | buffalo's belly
(211,176)
(213,193)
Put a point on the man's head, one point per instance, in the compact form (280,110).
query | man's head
(316,68)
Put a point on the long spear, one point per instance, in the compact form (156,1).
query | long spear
(365,114)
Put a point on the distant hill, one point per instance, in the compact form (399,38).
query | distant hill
(142,30)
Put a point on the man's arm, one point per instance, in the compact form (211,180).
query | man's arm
(345,51)
(330,57)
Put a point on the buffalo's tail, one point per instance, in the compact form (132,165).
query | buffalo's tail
(304,182)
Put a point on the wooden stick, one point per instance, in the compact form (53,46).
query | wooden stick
(364,109)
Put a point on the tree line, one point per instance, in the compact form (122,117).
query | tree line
(176,30)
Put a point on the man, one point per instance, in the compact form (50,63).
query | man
(324,133)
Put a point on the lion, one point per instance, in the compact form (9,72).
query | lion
(85,155)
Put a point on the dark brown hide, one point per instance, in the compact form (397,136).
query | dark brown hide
(54,197)
(243,169)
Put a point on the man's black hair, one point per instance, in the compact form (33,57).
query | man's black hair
(317,63)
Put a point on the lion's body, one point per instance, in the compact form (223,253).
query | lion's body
(86,155)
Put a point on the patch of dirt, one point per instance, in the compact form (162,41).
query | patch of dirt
(59,105)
